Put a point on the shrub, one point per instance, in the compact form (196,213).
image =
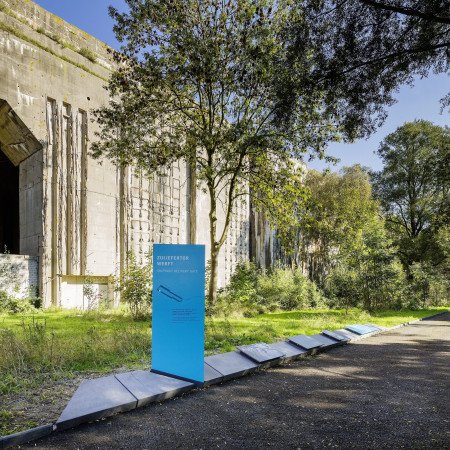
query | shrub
(252,291)
(135,287)
(288,289)
(11,304)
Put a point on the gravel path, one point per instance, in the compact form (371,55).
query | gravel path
(388,391)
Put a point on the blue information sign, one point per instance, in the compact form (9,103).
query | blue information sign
(178,311)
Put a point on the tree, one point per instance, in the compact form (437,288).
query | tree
(363,50)
(414,189)
(369,274)
(339,208)
(201,81)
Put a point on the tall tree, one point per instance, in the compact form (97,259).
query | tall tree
(414,188)
(201,80)
(363,50)
(332,223)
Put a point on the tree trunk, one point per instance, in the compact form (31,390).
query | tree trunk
(214,251)
(213,276)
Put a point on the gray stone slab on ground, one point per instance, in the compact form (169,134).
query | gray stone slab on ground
(349,334)
(359,329)
(212,376)
(326,342)
(306,342)
(375,327)
(290,351)
(262,353)
(25,436)
(231,364)
(150,387)
(95,399)
(336,335)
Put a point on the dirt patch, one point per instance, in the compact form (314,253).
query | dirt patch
(42,403)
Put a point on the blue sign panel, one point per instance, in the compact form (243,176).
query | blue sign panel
(178,311)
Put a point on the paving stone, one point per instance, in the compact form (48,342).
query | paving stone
(262,353)
(290,351)
(326,342)
(212,376)
(351,336)
(150,387)
(306,342)
(359,329)
(231,364)
(336,335)
(374,327)
(95,399)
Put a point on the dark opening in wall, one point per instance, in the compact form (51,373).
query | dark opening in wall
(9,206)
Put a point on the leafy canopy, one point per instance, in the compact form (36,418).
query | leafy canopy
(202,81)
(363,50)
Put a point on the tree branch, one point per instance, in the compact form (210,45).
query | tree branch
(407,11)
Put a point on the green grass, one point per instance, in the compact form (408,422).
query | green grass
(61,342)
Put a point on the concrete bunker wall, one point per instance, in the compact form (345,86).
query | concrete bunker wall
(80,216)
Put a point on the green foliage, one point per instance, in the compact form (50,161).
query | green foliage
(88,53)
(414,190)
(200,82)
(12,304)
(370,277)
(252,291)
(135,287)
(332,223)
(362,51)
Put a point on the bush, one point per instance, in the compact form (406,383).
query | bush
(13,305)
(252,291)
(135,287)
(288,289)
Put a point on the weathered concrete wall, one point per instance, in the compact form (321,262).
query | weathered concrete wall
(80,216)
(52,88)
(19,275)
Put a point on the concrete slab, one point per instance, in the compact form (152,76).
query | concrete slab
(95,399)
(336,335)
(351,336)
(231,364)
(212,376)
(374,327)
(262,353)
(326,342)
(150,387)
(359,329)
(306,342)
(290,351)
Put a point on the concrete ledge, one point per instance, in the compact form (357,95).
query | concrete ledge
(306,342)
(326,342)
(212,376)
(96,399)
(262,354)
(25,436)
(291,351)
(357,328)
(231,364)
(336,335)
(148,387)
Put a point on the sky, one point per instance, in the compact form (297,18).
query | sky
(418,102)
